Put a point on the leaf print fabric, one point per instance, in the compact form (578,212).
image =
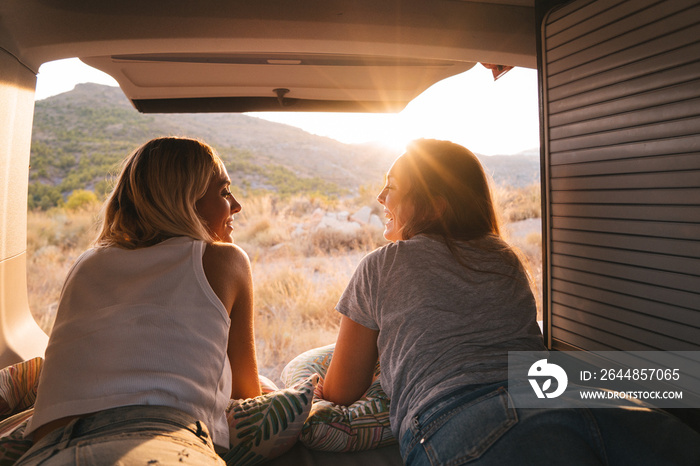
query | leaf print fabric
(364,425)
(266,426)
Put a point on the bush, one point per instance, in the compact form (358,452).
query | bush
(43,196)
(328,241)
(81,199)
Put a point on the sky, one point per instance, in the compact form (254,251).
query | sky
(488,117)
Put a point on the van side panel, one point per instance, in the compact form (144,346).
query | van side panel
(621,94)
(20,337)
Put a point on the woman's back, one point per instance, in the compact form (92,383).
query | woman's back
(443,324)
(124,331)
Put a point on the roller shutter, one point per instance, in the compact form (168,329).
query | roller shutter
(621,114)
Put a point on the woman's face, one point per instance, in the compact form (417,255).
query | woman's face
(398,209)
(217,207)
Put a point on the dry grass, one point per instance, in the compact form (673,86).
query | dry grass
(516,204)
(54,240)
(295,303)
(529,246)
(299,272)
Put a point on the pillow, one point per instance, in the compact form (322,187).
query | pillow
(12,442)
(267,385)
(361,426)
(266,426)
(250,421)
(18,386)
(17,395)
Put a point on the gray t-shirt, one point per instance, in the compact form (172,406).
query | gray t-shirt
(442,325)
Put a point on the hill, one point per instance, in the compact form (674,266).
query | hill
(79,137)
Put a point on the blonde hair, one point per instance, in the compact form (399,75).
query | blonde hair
(154,198)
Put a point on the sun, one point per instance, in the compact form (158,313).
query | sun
(488,117)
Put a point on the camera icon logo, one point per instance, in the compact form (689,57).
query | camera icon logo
(541,369)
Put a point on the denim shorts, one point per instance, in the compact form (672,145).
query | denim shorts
(480,425)
(153,435)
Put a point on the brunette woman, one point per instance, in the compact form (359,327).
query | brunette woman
(440,307)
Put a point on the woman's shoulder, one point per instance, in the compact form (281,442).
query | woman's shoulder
(390,250)
(419,245)
(425,245)
(225,257)
(226,251)
(381,253)
(485,249)
(83,260)
(395,252)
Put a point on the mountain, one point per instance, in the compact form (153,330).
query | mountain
(80,136)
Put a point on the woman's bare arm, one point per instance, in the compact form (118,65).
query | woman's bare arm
(228,271)
(352,367)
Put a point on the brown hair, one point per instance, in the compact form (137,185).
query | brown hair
(451,198)
(449,192)
(154,198)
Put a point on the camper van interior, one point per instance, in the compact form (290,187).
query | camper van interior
(619,90)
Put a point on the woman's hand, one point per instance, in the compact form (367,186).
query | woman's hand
(352,366)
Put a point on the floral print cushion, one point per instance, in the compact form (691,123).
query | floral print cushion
(361,426)
(266,426)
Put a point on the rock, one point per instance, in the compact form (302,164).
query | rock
(350,227)
(363,215)
(317,214)
(332,222)
(376,222)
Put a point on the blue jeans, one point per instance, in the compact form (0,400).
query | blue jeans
(476,425)
(127,435)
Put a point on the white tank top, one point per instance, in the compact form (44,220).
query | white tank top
(138,327)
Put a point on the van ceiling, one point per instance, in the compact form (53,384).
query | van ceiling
(274,55)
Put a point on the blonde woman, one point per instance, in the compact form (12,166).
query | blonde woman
(441,306)
(154,330)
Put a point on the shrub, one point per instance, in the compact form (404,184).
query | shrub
(328,241)
(81,199)
(43,196)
